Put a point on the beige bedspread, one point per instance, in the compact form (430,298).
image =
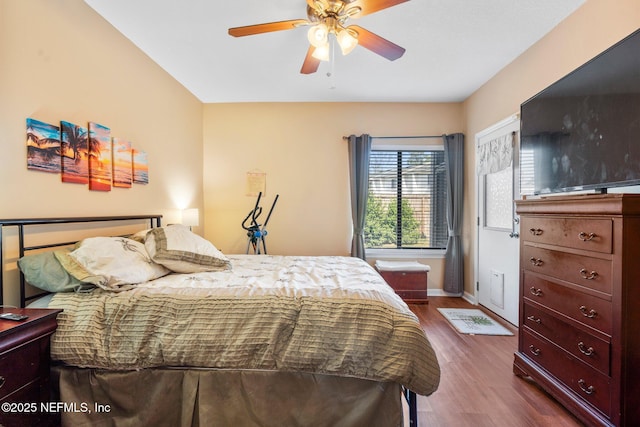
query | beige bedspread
(328,315)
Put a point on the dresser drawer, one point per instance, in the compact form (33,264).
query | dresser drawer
(28,415)
(19,367)
(578,233)
(586,382)
(587,309)
(587,347)
(594,273)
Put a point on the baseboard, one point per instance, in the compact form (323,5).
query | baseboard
(471,299)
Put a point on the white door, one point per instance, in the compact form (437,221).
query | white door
(497,271)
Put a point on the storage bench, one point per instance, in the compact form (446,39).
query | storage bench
(407,278)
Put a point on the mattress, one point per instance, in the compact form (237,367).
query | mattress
(319,315)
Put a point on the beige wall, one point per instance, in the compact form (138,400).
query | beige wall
(300,148)
(594,27)
(59,60)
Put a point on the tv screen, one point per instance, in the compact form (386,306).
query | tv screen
(583,132)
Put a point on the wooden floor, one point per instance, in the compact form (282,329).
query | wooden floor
(477,385)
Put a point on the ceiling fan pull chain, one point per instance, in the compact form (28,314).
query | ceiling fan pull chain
(332,65)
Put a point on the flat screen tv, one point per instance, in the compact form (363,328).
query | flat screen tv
(583,132)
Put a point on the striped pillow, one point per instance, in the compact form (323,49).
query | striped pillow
(182,251)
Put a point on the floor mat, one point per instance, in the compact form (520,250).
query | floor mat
(473,321)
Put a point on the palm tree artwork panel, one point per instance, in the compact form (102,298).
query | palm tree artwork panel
(75,148)
(122,163)
(43,146)
(100,161)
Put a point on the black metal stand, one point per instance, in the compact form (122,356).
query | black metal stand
(256,233)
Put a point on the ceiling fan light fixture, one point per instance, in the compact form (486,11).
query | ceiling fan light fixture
(321,52)
(318,35)
(346,40)
(329,17)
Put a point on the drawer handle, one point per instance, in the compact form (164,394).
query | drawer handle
(586,237)
(2,381)
(536,262)
(586,275)
(584,350)
(534,319)
(590,314)
(535,231)
(583,387)
(534,351)
(536,292)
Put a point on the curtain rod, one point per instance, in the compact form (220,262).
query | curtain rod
(401,137)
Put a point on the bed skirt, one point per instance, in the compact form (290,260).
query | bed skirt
(206,397)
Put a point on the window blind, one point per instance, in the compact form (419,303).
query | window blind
(406,206)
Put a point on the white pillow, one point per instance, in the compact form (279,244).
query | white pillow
(183,251)
(113,263)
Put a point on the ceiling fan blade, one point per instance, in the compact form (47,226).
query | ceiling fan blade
(377,44)
(368,7)
(267,28)
(310,64)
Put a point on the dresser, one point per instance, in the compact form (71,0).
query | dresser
(579,327)
(24,367)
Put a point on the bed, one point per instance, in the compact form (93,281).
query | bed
(201,338)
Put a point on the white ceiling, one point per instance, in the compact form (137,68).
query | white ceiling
(452,47)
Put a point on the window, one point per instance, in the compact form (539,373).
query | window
(406,206)
(527,172)
(498,199)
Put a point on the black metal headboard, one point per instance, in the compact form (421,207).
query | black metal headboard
(22,224)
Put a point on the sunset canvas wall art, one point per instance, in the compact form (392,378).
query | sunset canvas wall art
(140,167)
(100,168)
(85,155)
(43,146)
(122,163)
(75,146)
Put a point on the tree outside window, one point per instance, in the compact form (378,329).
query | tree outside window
(406,202)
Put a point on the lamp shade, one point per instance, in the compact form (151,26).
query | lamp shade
(321,52)
(346,41)
(318,35)
(191,217)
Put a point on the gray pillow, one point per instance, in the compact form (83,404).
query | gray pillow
(44,271)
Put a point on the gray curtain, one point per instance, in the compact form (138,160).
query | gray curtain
(359,153)
(454,261)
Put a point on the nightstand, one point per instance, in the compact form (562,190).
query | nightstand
(408,279)
(24,366)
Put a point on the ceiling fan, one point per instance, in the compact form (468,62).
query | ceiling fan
(328,17)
